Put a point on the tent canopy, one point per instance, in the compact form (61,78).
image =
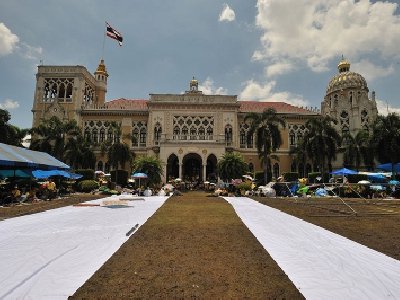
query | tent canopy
(343,171)
(13,156)
(40,174)
(388,167)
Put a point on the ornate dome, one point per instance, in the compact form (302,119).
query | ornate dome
(346,79)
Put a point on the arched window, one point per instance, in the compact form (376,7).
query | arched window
(292,138)
(193,133)
(177,132)
(251,167)
(157,132)
(109,135)
(202,133)
(100,166)
(185,133)
(210,133)
(95,136)
(135,137)
(249,140)
(142,137)
(242,138)
(102,135)
(293,167)
(228,134)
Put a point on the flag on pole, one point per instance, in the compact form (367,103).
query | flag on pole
(114,34)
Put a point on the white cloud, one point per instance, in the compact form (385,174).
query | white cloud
(315,31)
(255,91)
(208,88)
(9,104)
(371,71)
(8,40)
(30,52)
(279,68)
(227,14)
(383,108)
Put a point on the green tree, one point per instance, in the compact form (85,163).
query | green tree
(10,134)
(323,141)
(386,138)
(51,136)
(299,154)
(231,166)
(355,149)
(78,153)
(150,165)
(266,126)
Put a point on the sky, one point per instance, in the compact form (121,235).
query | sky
(259,50)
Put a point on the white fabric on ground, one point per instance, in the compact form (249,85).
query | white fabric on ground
(51,254)
(321,264)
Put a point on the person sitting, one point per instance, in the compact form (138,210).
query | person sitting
(52,188)
(16,194)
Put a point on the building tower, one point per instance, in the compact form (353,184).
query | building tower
(347,101)
(101,76)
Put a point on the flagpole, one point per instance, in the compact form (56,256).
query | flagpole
(104,39)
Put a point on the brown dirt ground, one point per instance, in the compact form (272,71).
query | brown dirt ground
(41,206)
(196,247)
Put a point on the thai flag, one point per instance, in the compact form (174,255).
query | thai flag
(114,34)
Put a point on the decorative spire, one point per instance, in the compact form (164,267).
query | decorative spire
(101,69)
(344,65)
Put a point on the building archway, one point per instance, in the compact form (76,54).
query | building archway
(211,168)
(172,167)
(192,167)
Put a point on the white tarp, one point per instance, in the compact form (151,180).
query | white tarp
(321,264)
(51,254)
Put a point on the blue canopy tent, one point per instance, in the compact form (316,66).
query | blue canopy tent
(13,157)
(343,171)
(388,167)
(41,174)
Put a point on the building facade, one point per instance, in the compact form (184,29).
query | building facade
(189,132)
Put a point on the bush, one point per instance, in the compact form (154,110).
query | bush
(291,176)
(245,186)
(87,186)
(88,174)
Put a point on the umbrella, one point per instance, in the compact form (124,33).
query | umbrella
(139,176)
(40,174)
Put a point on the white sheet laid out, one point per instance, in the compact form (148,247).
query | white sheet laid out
(51,254)
(321,264)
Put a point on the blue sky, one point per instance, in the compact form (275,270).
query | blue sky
(265,50)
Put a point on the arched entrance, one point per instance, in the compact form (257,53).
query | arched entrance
(211,168)
(172,167)
(192,167)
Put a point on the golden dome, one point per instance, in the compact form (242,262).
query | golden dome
(346,79)
(193,81)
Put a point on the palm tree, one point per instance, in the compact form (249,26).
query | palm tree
(231,166)
(150,165)
(386,139)
(51,135)
(118,155)
(356,149)
(78,153)
(299,154)
(268,136)
(323,141)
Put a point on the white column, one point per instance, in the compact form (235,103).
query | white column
(204,172)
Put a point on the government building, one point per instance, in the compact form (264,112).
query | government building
(190,132)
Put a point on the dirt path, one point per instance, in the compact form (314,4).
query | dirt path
(193,247)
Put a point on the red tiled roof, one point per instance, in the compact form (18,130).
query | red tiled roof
(280,107)
(131,104)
